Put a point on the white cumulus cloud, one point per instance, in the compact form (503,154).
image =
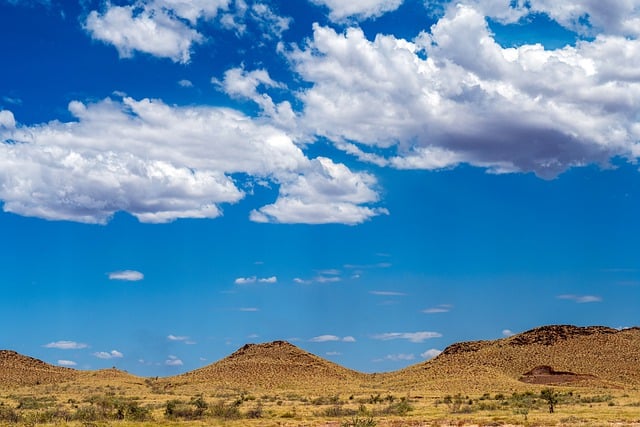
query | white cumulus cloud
(7,119)
(160,163)
(453,95)
(587,17)
(163,28)
(361,9)
(430,354)
(67,363)
(173,361)
(113,354)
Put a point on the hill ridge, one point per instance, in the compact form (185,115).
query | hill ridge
(19,370)
(599,354)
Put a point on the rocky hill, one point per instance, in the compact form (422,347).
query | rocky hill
(552,355)
(274,365)
(18,370)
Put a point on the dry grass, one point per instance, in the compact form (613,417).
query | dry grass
(278,384)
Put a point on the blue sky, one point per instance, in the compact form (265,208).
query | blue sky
(370,180)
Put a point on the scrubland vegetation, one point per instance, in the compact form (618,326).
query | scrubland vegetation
(115,406)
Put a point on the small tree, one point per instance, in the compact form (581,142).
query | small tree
(551,397)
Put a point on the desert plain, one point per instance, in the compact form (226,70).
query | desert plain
(549,376)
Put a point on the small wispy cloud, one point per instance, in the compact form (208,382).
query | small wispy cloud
(388,293)
(367,266)
(14,101)
(318,279)
(416,337)
(580,299)
(333,353)
(329,272)
(126,275)
(442,308)
(325,338)
(66,345)
(67,363)
(401,357)
(332,338)
(507,332)
(327,279)
(430,354)
(249,309)
(185,83)
(172,337)
(173,361)
(113,354)
(254,279)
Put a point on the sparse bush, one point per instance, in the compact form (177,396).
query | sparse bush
(8,415)
(327,400)
(359,422)
(338,411)
(454,403)
(600,398)
(255,412)
(86,414)
(199,403)
(31,402)
(399,408)
(227,412)
(134,412)
(176,409)
(288,414)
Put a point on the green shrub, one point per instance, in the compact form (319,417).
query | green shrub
(227,412)
(399,408)
(338,411)
(359,422)
(86,414)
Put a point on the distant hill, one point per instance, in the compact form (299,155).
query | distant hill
(274,365)
(553,355)
(18,370)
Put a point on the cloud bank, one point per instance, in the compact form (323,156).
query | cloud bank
(161,163)
(453,95)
